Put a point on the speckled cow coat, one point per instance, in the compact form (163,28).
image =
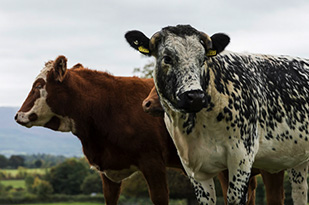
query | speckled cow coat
(234,111)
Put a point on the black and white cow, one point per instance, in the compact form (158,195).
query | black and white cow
(232,111)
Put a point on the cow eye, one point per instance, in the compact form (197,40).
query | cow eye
(167,60)
(39,86)
(203,43)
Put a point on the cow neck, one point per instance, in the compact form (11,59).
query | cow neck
(93,92)
(215,102)
(93,103)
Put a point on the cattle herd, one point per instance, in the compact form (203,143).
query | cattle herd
(207,112)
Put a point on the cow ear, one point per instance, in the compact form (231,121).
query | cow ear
(78,65)
(138,41)
(60,68)
(219,42)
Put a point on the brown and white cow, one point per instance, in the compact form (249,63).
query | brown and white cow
(273,182)
(105,113)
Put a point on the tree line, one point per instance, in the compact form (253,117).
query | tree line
(30,161)
(73,177)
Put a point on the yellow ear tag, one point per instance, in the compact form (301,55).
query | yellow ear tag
(211,53)
(143,50)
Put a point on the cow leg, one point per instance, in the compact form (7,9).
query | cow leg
(204,191)
(298,179)
(155,175)
(274,187)
(111,190)
(251,190)
(239,167)
(224,178)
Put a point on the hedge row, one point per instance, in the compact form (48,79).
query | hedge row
(31,198)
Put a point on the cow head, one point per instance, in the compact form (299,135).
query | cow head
(181,53)
(35,110)
(151,104)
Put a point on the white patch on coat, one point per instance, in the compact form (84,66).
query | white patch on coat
(189,51)
(42,110)
(117,175)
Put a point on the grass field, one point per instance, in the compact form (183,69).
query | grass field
(14,172)
(92,203)
(14,183)
(68,203)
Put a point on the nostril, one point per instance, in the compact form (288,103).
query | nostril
(33,117)
(192,101)
(148,104)
(191,97)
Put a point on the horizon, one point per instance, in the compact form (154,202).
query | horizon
(16,139)
(33,32)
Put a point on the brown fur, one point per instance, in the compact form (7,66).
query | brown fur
(151,104)
(114,130)
(32,96)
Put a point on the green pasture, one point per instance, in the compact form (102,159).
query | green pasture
(15,172)
(96,203)
(18,183)
(68,203)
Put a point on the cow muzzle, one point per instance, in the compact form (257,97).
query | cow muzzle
(25,119)
(153,108)
(192,101)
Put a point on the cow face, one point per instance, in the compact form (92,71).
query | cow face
(151,104)
(35,110)
(181,53)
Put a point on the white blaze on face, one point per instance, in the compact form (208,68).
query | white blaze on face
(43,74)
(189,55)
(35,111)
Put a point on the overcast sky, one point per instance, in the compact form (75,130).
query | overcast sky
(91,32)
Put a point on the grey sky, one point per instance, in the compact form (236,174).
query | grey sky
(91,32)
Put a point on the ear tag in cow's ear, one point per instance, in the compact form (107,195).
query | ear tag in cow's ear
(211,53)
(143,49)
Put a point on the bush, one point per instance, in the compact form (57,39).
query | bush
(4,162)
(67,177)
(2,175)
(2,189)
(38,163)
(42,188)
(16,161)
(22,173)
(135,186)
(29,181)
(92,184)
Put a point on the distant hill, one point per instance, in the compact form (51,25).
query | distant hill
(16,139)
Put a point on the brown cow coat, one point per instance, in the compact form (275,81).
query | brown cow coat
(105,113)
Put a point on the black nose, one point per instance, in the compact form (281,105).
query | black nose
(192,101)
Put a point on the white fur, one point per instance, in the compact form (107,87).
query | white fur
(42,109)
